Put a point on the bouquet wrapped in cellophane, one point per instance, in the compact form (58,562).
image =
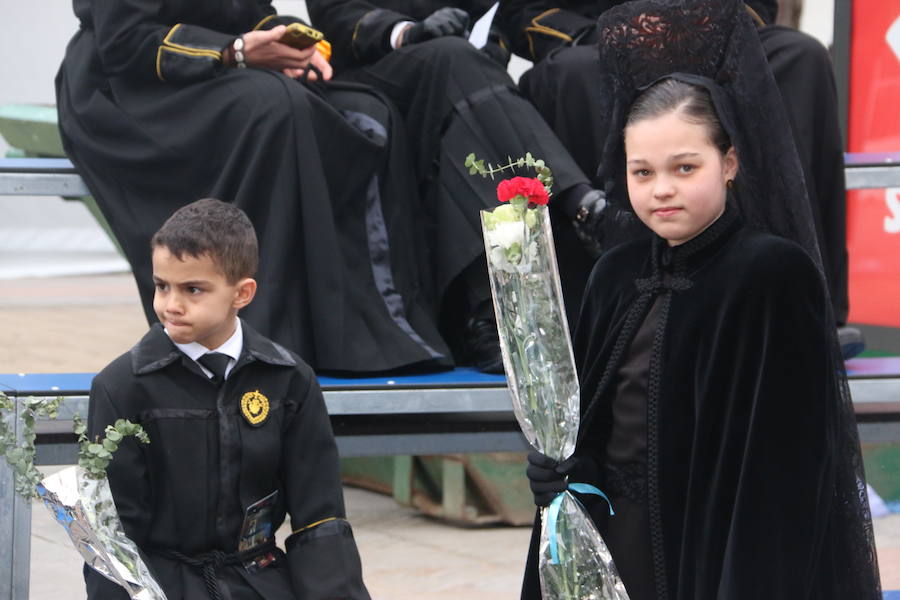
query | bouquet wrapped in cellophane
(84,506)
(574,562)
(79,496)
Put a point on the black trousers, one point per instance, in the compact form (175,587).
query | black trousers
(456,100)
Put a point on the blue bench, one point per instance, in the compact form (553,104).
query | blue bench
(452,412)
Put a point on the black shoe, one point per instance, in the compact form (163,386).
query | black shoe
(483,345)
(851,340)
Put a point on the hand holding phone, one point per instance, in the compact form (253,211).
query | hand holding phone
(300,36)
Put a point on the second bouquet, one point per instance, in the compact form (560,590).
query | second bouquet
(574,562)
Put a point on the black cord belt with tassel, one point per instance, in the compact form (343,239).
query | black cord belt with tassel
(210,563)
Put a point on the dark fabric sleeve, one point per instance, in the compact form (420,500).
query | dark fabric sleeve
(129,482)
(775,475)
(358,31)
(99,587)
(133,42)
(321,552)
(128,471)
(535,27)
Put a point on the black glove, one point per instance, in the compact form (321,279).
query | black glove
(588,221)
(547,477)
(444,21)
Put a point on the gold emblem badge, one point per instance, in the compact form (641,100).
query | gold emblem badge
(255,407)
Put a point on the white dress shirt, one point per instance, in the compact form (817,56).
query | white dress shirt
(232,347)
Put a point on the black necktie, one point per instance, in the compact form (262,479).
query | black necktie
(217,363)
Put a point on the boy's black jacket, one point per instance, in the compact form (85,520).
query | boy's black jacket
(743,494)
(188,489)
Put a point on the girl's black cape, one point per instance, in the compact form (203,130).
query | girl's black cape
(754,483)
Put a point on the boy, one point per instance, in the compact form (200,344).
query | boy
(239,435)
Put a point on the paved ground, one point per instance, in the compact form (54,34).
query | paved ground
(81,323)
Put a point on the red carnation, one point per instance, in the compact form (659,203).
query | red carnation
(529,188)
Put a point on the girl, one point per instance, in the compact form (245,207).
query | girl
(715,413)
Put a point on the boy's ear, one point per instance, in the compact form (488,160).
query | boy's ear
(245,290)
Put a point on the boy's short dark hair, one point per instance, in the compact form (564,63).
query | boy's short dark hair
(213,227)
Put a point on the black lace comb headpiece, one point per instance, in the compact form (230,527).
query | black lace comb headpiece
(715,45)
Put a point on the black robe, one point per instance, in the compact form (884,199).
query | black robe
(153,121)
(455,100)
(206,463)
(560,36)
(738,489)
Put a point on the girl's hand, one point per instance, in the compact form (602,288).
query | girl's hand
(262,50)
(319,62)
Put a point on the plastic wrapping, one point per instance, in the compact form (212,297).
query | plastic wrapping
(543,383)
(84,506)
(583,568)
(534,334)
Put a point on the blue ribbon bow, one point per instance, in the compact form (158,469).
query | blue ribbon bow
(553,513)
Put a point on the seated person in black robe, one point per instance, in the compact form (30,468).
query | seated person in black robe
(560,36)
(728,449)
(456,99)
(156,110)
(233,418)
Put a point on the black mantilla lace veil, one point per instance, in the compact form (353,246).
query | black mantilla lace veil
(715,44)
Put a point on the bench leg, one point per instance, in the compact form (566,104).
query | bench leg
(15,533)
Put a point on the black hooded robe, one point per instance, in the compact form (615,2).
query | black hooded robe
(560,37)
(154,121)
(741,494)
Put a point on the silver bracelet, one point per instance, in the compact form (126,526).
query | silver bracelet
(238,47)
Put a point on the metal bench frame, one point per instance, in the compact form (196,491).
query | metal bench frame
(58,177)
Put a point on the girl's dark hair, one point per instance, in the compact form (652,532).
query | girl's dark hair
(691,101)
(216,228)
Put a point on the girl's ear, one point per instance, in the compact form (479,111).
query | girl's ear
(730,164)
(244,292)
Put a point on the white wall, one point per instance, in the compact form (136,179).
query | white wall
(817,20)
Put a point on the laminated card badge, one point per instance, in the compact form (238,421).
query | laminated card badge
(257,533)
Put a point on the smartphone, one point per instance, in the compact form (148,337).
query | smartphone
(300,36)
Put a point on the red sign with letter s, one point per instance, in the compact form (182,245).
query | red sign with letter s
(873,216)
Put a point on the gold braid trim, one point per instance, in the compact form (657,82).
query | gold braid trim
(264,21)
(170,46)
(537,28)
(356,32)
(311,525)
(755,15)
